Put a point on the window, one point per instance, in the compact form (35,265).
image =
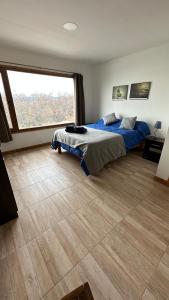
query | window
(38,100)
(5,103)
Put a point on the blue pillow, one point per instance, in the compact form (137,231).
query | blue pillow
(142,127)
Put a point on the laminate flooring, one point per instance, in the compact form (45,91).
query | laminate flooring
(111,230)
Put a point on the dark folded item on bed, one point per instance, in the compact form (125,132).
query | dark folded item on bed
(75,129)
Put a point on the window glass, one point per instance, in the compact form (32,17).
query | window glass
(41,100)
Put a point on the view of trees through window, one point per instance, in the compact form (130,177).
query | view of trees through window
(41,100)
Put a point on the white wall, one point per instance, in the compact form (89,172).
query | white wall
(163,167)
(150,65)
(32,59)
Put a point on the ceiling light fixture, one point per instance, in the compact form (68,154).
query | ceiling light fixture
(70,26)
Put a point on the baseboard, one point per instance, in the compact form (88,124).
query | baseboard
(163,181)
(26,148)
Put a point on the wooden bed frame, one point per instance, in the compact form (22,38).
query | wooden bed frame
(59,149)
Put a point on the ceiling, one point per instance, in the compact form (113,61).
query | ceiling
(106,28)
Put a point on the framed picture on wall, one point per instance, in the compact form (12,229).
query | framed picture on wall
(140,91)
(120,92)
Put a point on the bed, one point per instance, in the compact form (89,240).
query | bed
(101,144)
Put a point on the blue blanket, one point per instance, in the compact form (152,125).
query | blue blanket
(131,137)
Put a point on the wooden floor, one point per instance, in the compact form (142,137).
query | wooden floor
(111,230)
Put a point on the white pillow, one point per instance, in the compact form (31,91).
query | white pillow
(118,116)
(128,123)
(108,119)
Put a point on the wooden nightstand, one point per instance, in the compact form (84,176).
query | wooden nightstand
(153,148)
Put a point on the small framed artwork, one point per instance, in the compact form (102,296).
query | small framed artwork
(120,92)
(140,91)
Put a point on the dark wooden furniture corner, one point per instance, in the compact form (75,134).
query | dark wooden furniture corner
(81,293)
(153,148)
(8,207)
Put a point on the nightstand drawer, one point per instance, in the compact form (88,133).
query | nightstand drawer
(156,150)
(156,146)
